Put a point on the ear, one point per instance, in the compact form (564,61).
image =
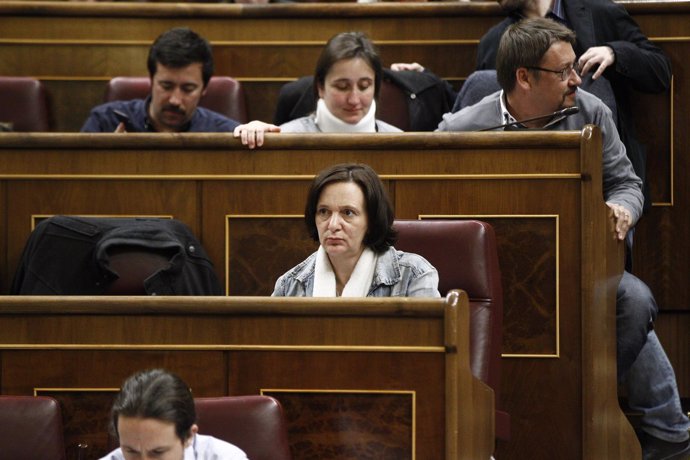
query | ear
(523,78)
(319,87)
(194,429)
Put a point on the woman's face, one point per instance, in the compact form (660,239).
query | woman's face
(341,220)
(349,89)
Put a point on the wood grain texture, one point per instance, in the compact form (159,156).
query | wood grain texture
(376,346)
(523,180)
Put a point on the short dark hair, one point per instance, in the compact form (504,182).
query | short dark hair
(180,47)
(348,45)
(380,216)
(524,44)
(156,394)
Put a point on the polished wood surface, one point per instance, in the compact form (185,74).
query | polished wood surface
(75,47)
(246,208)
(296,349)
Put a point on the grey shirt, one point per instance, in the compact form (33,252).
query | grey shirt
(621,185)
(397,274)
(308,125)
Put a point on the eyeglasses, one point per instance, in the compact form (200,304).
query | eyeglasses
(563,73)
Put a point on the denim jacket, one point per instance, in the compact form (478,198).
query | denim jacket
(397,274)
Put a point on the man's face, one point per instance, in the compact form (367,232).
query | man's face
(548,92)
(150,438)
(175,94)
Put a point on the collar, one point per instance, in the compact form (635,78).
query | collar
(557,13)
(508,118)
(387,268)
(329,123)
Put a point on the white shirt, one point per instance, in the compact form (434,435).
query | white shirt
(202,448)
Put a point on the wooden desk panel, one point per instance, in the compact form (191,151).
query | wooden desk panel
(245,207)
(361,354)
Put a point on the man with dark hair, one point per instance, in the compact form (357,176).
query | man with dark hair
(180,65)
(539,74)
(154,417)
(609,44)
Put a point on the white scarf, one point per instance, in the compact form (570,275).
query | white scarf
(329,123)
(357,286)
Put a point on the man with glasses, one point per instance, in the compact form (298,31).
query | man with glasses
(537,69)
(609,45)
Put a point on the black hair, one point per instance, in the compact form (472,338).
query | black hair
(347,45)
(178,48)
(156,394)
(380,215)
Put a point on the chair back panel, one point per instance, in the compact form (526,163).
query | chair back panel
(25,104)
(224,95)
(255,424)
(392,107)
(464,253)
(31,428)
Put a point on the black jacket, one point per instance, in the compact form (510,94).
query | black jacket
(639,65)
(70,256)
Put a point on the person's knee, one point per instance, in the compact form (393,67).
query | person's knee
(635,302)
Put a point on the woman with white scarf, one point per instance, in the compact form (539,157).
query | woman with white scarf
(347,81)
(348,212)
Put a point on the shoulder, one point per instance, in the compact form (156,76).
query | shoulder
(493,35)
(293,282)
(411,261)
(592,109)
(114,455)
(599,6)
(102,117)
(132,105)
(210,448)
(402,262)
(206,120)
(483,114)
(384,127)
(300,125)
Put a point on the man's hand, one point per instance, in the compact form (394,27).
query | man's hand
(252,134)
(622,220)
(120,128)
(603,56)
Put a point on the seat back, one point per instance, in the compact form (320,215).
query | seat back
(24,103)
(224,95)
(478,85)
(255,424)
(392,107)
(465,255)
(31,428)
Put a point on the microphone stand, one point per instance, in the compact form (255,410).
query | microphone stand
(563,112)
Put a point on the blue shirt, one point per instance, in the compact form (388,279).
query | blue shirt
(397,274)
(103,120)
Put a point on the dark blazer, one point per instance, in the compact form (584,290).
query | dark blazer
(639,65)
(71,256)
